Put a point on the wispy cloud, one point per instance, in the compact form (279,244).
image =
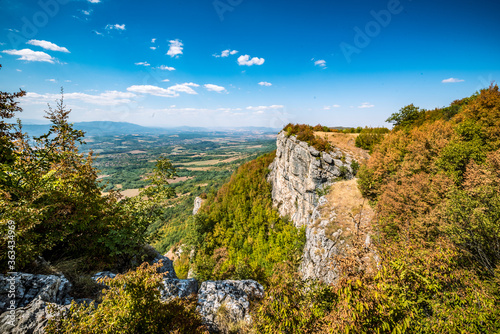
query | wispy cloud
(153,47)
(175,48)
(172,91)
(265,83)
(245,60)
(143,63)
(226,53)
(51,80)
(263,109)
(452,80)
(366,105)
(116,27)
(107,98)
(214,88)
(86,12)
(94,1)
(331,107)
(30,55)
(320,63)
(165,68)
(153,40)
(47,45)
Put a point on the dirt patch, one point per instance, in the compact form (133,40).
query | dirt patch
(102,176)
(346,142)
(136,152)
(180,179)
(199,168)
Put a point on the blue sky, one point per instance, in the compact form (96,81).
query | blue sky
(246,63)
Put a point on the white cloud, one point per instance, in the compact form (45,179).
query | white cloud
(165,80)
(175,48)
(214,88)
(320,63)
(94,1)
(245,60)
(452,80)
(107,98)
(51,80)
(67,80)
(172,91)
(152,47)
(47,45)
(331,107)
(86,12)
(153,40)
(116,27)
(97,32)
(226,53)
(30,55)
(143,63)
(165,68)
(263,109)
(264,83)
(366,105)
(17,69)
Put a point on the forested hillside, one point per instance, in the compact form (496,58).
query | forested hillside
(238,235)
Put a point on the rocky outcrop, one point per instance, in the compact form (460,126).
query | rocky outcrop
(320,250)
(229,297)
(299,172)
(174,287)
(198,201)
(24,298)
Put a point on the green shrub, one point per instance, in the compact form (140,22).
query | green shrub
(132,304)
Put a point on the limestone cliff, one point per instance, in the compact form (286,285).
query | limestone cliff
(299,174)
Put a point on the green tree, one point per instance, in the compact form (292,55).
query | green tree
(406,116)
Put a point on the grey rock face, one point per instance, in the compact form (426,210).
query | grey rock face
(320,250)
(49,288)
(174,287)
(32,294)
(197,205)
(298,172)
(167,266)
(234,296)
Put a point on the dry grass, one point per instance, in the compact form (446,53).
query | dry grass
(346,143)
(352,211)
(136,152)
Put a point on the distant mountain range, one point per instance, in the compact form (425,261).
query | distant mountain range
(107,128)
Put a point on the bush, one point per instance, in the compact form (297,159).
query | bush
(305,133)
(132,304)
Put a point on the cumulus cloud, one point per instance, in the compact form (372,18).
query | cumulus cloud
(153,47)
(47,45)
(245,60)
(153,40)
(51,80)
(175,48)
(264,83)
(366,105)
(107,98)
(226,53)
(94,1)
(165,80)
(452,80)
(320,63)
(165,68)
(30,55)
(214,88)
(143,63)
(116,27)
(172,91)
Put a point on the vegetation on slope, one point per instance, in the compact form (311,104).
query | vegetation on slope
(50,195)
(237,233)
